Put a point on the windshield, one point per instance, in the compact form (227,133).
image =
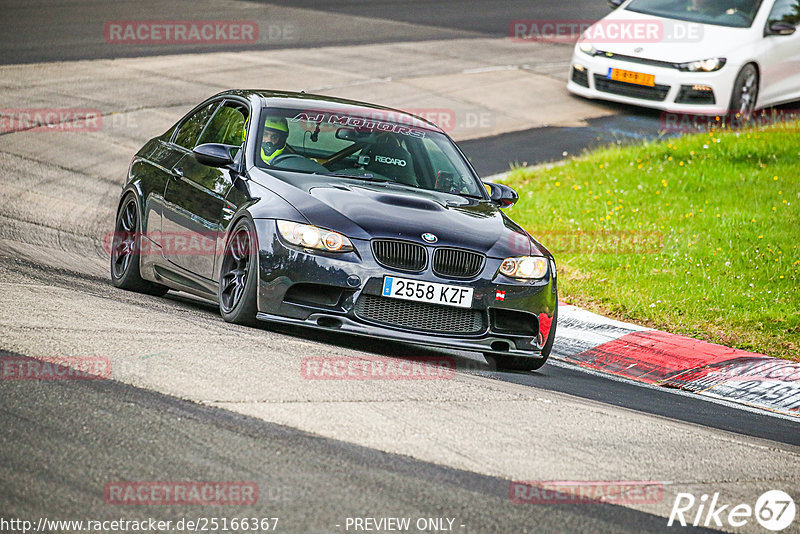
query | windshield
(364,146)
(736,14)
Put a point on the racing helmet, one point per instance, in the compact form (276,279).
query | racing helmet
(277,125)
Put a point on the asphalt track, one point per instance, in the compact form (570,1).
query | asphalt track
(193,398)
(490,155)
(59,449)
(41,30)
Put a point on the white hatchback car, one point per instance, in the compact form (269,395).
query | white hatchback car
(692,56)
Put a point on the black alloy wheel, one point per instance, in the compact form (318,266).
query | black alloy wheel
(125,251)
(239,275)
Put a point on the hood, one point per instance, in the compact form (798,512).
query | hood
(365,210)
(705,40)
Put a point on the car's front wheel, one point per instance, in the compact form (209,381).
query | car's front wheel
(522,363)
(745,92)
(239,275)
(126,249)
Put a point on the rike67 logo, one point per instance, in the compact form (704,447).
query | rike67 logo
(774,510)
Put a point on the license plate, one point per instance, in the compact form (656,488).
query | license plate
(447,295)
(639,78)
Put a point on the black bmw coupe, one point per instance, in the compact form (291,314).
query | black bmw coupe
(337,215)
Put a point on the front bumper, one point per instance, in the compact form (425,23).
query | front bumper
(322,290)
(670,82)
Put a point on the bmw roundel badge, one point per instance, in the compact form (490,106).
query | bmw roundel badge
(429,237)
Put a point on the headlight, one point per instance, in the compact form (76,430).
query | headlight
(587,48)
(307,236)
(705,65)
(524,267)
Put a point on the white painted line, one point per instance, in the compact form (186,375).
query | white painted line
(494,68)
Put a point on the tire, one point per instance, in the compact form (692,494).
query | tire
(125,248)
(522,363)
(238,277)
(745,92)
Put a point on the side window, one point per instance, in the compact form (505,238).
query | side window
(785,11)
(227,126)
(190,130)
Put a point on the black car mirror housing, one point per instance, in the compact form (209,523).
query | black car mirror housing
(614,4)
(213,154)
(502,195)
(779,28)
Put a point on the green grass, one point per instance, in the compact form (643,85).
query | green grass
(696,236)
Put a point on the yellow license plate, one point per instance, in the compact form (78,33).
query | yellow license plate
(629,76)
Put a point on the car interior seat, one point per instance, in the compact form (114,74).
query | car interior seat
(393,161)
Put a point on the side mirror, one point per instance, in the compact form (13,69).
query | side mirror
(614,4)
(502,195)
(213,154)
(779,28)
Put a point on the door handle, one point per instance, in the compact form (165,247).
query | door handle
(178,173)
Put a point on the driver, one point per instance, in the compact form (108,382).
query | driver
(273,139)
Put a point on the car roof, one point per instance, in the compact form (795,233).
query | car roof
(322,104)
